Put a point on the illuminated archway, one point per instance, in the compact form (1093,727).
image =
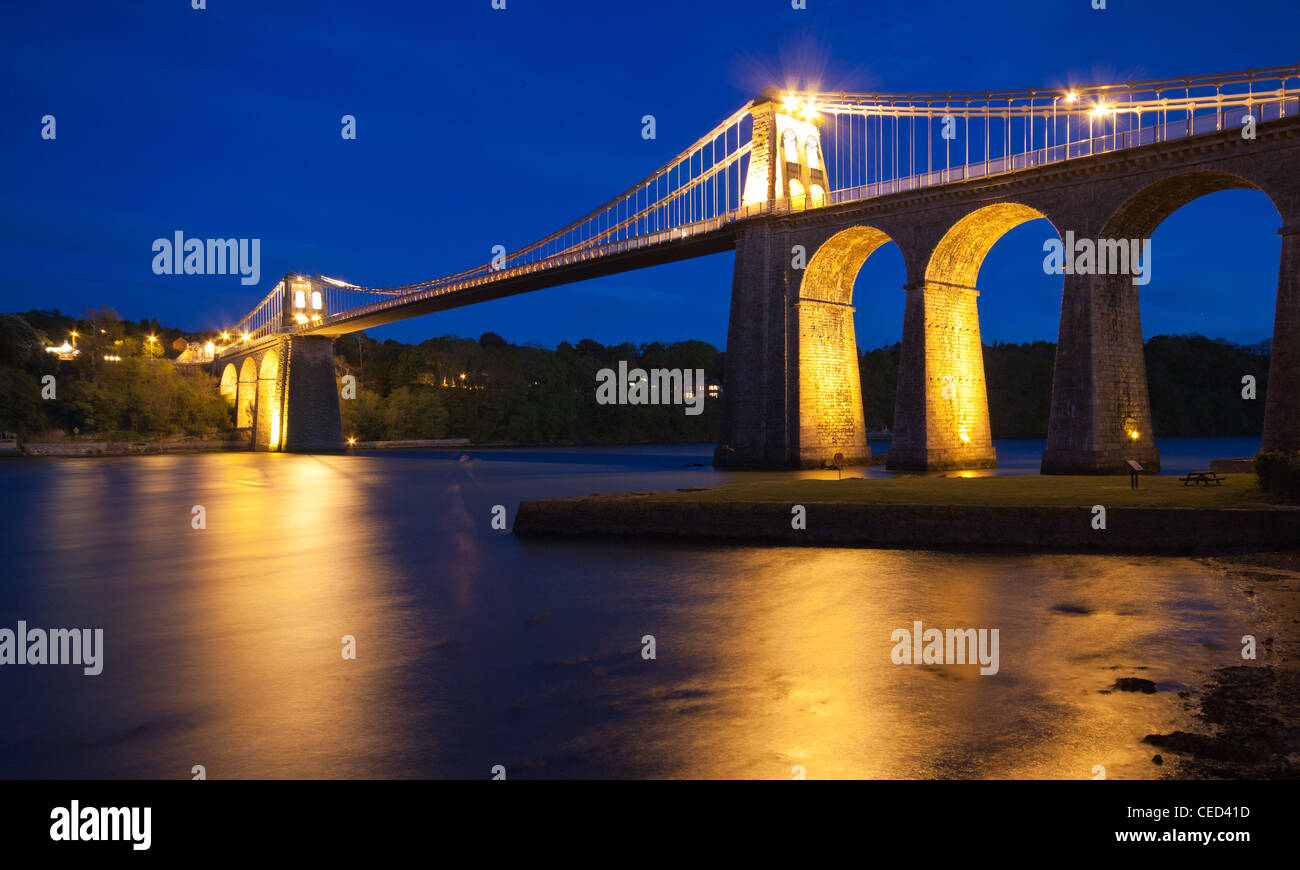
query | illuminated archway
(230,384)
(269,432)
(246,396)
(830,390)
(942,419)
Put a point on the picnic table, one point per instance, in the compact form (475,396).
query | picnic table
(1202,477)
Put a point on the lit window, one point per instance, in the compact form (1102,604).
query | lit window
(299,299)
(791,146)
(315,300)
(812,153)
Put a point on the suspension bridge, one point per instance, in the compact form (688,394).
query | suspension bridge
(804,186)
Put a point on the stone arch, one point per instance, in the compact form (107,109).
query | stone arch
(269,431)
(1139,215)
(829,387)
(230,384)
(941,417)
(956,260)
(1117,423)
(246,395)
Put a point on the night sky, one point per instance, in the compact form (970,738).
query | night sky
(478,127)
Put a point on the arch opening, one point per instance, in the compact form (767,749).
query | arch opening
(943,408)
(1144,211)
(957,258)
(230,384)
(1163,213)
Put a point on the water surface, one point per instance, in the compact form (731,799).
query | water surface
(476,648)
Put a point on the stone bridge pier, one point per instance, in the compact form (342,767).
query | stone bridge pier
(793,395)
(284,393)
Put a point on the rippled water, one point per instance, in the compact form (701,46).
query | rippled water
(476,648)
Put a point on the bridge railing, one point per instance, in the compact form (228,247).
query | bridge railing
(873,144)
(895,141)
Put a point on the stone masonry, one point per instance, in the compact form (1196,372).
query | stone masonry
(792,382)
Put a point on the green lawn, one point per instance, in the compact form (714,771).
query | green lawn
(1238,490)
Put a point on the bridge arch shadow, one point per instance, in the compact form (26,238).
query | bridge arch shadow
(831,415)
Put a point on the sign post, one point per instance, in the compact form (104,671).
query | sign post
(1133,471)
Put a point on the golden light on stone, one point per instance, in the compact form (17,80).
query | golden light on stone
(956,397)
(830,391)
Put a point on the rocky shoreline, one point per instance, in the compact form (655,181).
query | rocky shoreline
(1250,713)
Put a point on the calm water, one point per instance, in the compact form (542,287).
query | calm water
(476,648)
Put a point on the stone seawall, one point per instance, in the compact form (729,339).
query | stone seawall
(1128,529)
(127,448)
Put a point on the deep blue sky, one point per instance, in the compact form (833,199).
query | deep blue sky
(479,127)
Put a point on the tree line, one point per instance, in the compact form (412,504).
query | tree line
(488,390)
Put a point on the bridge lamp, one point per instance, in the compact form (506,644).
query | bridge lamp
(225,336)
(300,317)
(1134,434)
(245,336)
(352,441)
(1071,96)
(210,348)
(965,439)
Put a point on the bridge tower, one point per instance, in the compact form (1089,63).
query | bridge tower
(786,162)
(793,395)
(304,301)
(283,386)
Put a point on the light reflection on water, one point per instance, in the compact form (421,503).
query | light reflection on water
(477,648)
